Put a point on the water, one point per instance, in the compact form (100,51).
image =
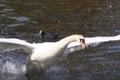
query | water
(24,20)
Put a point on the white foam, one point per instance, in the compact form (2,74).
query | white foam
(13,68)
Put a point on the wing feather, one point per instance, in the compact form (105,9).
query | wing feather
(14,43)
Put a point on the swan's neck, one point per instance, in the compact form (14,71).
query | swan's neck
(65,41)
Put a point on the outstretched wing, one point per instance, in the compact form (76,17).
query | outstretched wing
(101,39)
(8,44)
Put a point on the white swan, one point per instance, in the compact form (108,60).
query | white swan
(41,52)
(47,52)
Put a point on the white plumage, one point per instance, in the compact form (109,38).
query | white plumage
(48,52)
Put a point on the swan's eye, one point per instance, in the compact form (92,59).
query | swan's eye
(82,40)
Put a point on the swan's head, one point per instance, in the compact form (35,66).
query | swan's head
(82,42)
(81,39)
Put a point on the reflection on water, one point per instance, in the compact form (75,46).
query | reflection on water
(25,18)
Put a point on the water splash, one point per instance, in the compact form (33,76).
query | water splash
(13,68)
(12,63)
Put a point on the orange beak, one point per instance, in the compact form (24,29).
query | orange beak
(82,42)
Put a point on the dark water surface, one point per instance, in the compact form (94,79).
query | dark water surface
(25,18)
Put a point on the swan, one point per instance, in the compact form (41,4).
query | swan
(46,52)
